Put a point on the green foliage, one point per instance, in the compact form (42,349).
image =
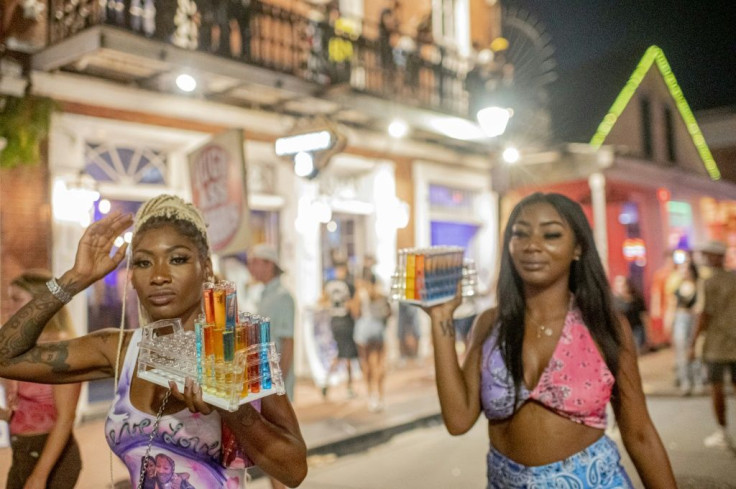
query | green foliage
(24,123)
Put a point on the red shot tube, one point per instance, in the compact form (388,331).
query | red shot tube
(254,364)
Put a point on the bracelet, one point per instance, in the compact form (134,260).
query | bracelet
(58,291)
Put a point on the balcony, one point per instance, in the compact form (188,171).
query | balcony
(257,56)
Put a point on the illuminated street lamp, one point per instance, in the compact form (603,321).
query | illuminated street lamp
(511,155)
(493,120)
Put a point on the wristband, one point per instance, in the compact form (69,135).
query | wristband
(58,292)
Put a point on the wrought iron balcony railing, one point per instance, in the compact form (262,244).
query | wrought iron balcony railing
(257,33)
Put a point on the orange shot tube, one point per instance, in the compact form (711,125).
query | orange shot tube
(208,289)
(219,294)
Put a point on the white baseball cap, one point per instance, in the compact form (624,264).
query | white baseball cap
(265,251)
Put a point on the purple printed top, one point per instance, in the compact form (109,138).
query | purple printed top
(186,451)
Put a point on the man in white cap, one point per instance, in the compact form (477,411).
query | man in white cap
(278,304)
(718,321)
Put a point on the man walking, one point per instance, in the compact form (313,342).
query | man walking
(718,322)
(278,304)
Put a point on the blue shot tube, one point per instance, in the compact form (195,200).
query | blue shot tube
(265,328)
(199,347)
(228,345)
(231,306)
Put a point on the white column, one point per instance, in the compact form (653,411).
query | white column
(597,183)
(306,278)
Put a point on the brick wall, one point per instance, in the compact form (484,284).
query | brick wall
(25,223)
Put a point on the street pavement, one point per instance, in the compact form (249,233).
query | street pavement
(429,458)
(351,447)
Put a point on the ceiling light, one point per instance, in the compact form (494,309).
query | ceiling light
(511,155)
(398,129)
(186,82)
(493,120)
(303,164)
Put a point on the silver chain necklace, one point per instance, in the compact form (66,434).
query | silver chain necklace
(153,434)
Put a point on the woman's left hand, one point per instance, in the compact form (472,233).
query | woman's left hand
(446,309)
(192,396)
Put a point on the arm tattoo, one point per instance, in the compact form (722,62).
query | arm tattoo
(53,354)
(448,328)
(20,333)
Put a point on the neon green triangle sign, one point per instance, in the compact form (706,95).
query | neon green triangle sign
(652,55)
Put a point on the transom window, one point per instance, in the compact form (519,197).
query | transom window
(125,165)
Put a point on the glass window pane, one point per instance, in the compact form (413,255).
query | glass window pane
(127,165)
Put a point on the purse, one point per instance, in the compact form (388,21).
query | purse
(233,456)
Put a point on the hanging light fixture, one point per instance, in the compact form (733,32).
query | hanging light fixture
(74,201)
(493,120)
(310,145)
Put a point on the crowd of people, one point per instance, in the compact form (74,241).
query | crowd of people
(545,362)
(689,293)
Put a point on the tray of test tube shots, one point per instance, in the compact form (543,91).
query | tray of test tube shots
(233,361)
(430,276)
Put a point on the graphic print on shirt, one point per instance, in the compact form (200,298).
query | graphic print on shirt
(338,293)
(185,452)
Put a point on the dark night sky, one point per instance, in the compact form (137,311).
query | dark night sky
(697,37)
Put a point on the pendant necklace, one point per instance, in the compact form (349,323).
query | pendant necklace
(541,328)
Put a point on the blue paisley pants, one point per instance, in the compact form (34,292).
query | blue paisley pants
(597,466)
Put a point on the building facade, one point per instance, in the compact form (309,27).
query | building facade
(121,131)
(643,173)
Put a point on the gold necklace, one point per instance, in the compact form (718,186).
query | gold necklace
(541,328)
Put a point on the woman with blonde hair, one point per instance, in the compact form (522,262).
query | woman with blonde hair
(169,262)
(41,416)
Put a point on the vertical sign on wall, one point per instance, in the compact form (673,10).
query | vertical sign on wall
(218,180)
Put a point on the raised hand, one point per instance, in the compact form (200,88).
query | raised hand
(446,309)
(93,260)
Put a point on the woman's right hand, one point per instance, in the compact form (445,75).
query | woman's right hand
(93,260)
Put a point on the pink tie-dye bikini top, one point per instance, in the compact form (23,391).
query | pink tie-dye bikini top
(576,383)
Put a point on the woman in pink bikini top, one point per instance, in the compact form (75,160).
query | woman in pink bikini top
(544,364)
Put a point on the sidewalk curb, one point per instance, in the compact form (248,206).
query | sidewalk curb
(362,442)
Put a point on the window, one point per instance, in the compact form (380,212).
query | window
(449,199)
(342,239)
(669,128)
(646,127)
(126,165)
